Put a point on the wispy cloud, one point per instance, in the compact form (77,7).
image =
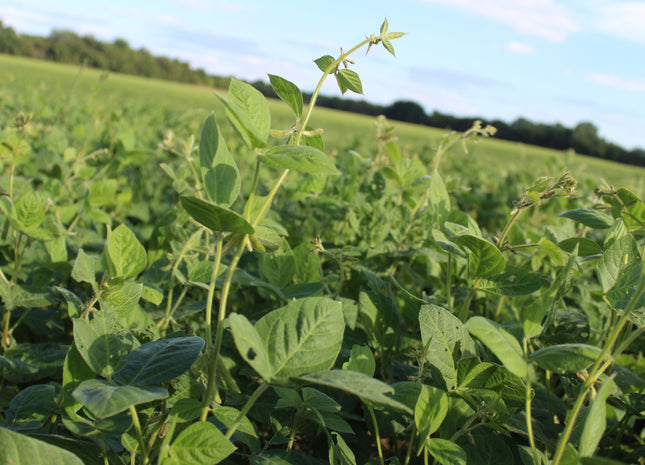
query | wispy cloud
(609,80)
(621,19)
(541,18)
(519,48)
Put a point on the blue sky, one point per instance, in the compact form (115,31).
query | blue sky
(546,60)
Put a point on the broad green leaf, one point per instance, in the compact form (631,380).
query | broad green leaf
(446,452)
(566,358)
(105,400)
(348,80)
(302,337)
(324,62)
(74,304)
(19,449)
(513,281)
(339,452)
(302,158)
(219,170)
(75,370)
(152,294)
(248,112)
(477,378)
(124,298)
(634,216)
(288,92)
(319,401)
(102,192)
(102,343)
(214,217)
(439,199)
(34,403)
(591,218)
(160,361)
(430,410)
(84,270)
(250,346)
(505,347)
(367,388)
(57,249)
(279,267)
(361,359)
(185,410)
(199,444)
(485,259)
(553,252)
(224,417)
(29,212)
(441,333)
(596,420)
(620,269)
(126,253)
(101,428)
(268,237)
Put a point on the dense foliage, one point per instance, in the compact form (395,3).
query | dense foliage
(187,292)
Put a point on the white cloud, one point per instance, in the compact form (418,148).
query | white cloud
(541,18)
(621,19)
(235,7)
(609,80)
(520,48)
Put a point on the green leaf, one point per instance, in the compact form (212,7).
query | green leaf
(487,449)
(126,252)
(620,268)
(214,217)
(384,27)
(279,267)
(288,92)
(302,337)
(199,444)
(22,450)
(596,420)
(348,80)
(250,346)
(84,270)
(29,211)
(505,347)
(324,62)
(34,403)
(102,192)
(75,370)
(514,281)
(339,452)
(74,304)
(446,452)
(248,112)
(359,384)
(102,343)
(303,158)
(100,428)
(477,378)
(566,358)
(224,417)
(441,333)
(388,46)
(439,199)
(160,361)
(219,170)
(430,410)
(152,294)
(105,400)
(591,218)
(484,258)
(361,359)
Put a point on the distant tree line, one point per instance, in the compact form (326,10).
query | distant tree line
(118,56)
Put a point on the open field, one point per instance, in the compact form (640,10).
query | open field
(68,82)
(179,287)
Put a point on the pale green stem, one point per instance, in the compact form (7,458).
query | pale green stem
(595,371)
(529,416)
(137,428)
(377,434)
(249,403)
(211,294)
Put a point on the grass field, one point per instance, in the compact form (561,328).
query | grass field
(70,83)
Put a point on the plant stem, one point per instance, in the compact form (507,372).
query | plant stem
(211,387)
(137,428)
(249,403)
(377,434)
(211,294)
(595,371)
(527,406)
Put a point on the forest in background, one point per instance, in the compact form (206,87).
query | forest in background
(118,56)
